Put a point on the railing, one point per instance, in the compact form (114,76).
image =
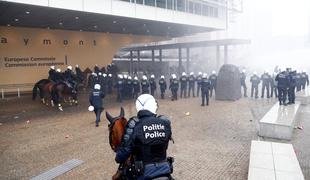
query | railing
(15,89)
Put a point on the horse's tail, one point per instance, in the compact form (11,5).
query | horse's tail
(35,91)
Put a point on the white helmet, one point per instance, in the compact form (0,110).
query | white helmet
(191,73)
(129,77)
(152,76)
(91,108)
(144,77)
(77,65)
(125,76)
(69,67)
(58,70)
(146,102)
(97,86)
(255,73)
(135,78)
(213,72)
(243,70)
(94,74)
(110,75)
(204,75)
(183,74)
(162,77)
(99,73)
(104,75)
(199,73)
(53,67)
(120,76)
(174,76)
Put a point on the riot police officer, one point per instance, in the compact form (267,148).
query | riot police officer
(174,87)
(152,84)
(298,81)
(96,69)
(274,85)
(70,77)
(212,79)
(92,80)
(136,87)
(198,79)
(109,83)
(243,84)
(205,87)
(304,79)
(79,74)
(255,80)
(95,99)
(183,81)
(145,85)
(283,80)
(59,77)
(291,88)
(129,86)
(120,86)
(51,74)
(163,86)
(146,140)
(265,84)
(191,84)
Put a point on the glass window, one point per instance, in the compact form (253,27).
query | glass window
(169,4)
(149,2)
(197,8)
(216,12)
(204,10)
(139,1)
(190,7)
(161,3)
(180,5)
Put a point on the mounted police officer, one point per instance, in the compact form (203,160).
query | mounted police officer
(174,87)
(255,80)
(191,84)
(145,85)
(146,140)
(51,74)
(183,81)
(212,79)
(265,83)
(205,87)
(120,86)
(70,77)
(198,79)
(163,86)
(304,79)
(136,87)
(283,80)
(152,84)
(242,81)
(92,80)
(59,77)
(95,99)
(79,74)
(96,69)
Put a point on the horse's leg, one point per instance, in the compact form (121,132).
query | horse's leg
(52,103)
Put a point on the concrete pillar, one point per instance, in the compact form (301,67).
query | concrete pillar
(131,63)
(218,57)
(187,60)
(153,61)
(180,61)
(161,60)
(225,54)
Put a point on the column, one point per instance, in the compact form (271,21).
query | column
(180,61)
(131,63)
(225,54)
(218,57)
(161,60)
(187,60)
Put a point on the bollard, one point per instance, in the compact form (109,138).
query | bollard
(2,93)
(18,93)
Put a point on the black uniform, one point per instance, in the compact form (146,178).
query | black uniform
(243,84)
(212,79)
(191,85)
(109,84)
(283,80)
(152,86)
(273,86)
(119,86)
(51,75)
(96,69)
(291,88)
(163,87)
(146,139)
(79,74)
(183,81)
(205,87)
(136,88)
(198,79)
(265,84)
(145,86)
(130,88)
(59,77)
(174,87)
(304,80)
(255,80)
(95,99)
(298,81)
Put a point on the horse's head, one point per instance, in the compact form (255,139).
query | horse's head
(116,128)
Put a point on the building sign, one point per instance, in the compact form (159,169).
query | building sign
(14,62)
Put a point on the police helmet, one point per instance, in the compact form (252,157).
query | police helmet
(152,76)
(69,67)
(97,86)
(99,73)
(129,77)
(243,70)
(146,102)
(77,65)
(255,73)
(144,77)
(125,76)
(204,75)
(120,76)
(162,77)
(58,70)
(174,76)
(191,73)
(183,74)
(135,78)
(94,74)
(110,75)
(199,73)
(213,72)
(53,67)
(104,75)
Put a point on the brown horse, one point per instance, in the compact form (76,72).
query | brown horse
(61,91)
(45,88)
(117,129)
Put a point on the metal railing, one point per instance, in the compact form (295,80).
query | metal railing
(15,89)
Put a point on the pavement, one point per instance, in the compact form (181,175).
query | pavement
(211,142)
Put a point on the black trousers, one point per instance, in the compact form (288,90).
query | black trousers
(275,90)
(174,94)
(244,90)
(183,92)
(254,89)
(212,88)
(267,87)
(191,88)
(291,94)
(205,98)
(162,93)
(98,111)
(282,94)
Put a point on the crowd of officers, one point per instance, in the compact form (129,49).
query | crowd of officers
(281,84)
